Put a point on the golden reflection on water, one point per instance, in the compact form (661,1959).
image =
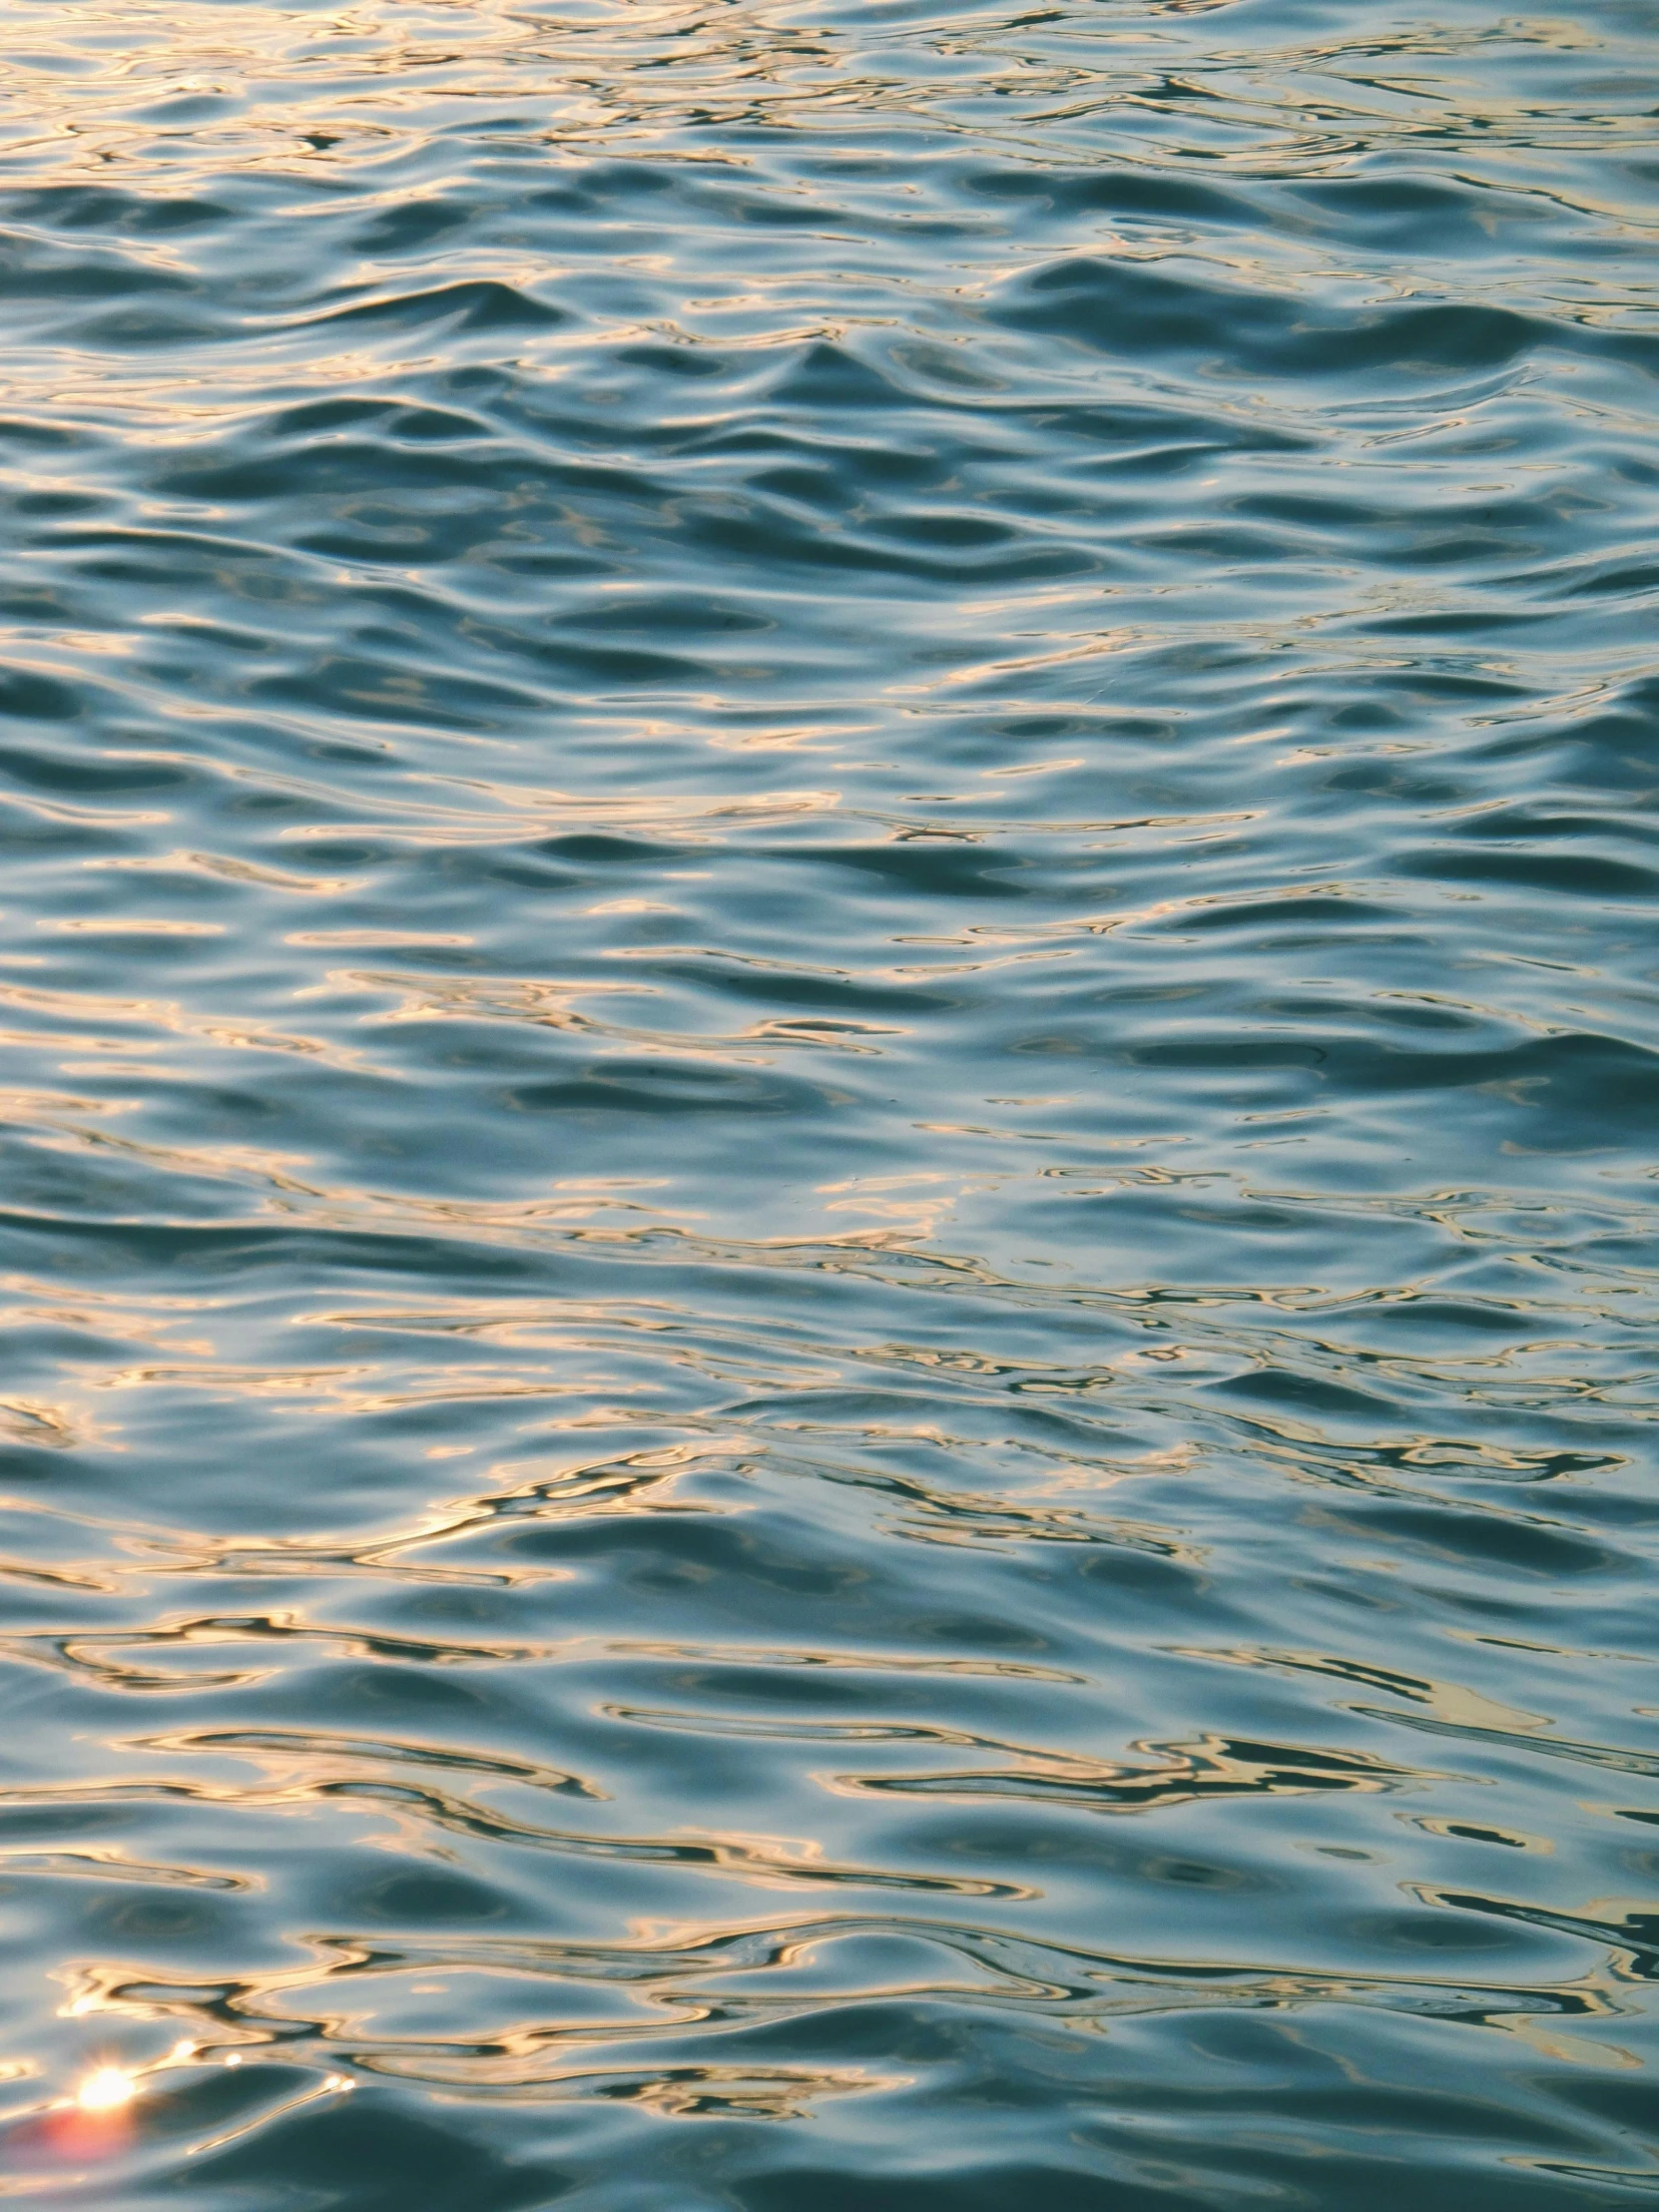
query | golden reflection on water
(105,2090)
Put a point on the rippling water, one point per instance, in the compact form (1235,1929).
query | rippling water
(829,1182)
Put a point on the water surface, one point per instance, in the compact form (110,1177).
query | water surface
(827,1131)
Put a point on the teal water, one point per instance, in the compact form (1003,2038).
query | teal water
(828,1136)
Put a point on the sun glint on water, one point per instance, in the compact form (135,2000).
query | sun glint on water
(106,2090)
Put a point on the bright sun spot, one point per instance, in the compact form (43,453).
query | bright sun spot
(106,2090)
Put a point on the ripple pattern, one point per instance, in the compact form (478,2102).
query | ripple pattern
(827,1226)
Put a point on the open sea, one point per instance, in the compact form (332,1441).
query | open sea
(830,1116)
